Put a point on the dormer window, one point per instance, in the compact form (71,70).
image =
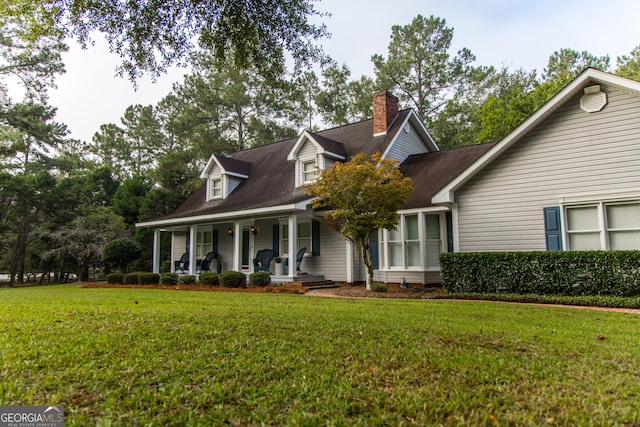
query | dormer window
(309,171)
(215,186)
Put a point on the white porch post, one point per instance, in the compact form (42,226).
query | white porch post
(155,258)
(293,244)
(237,246)
(455,228)
(192,248)
(350,263)
(422,233)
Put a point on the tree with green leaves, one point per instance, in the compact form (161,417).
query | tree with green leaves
(341,100)
(121,252)
(362,196)
(150,36)
(133,148)
(419,68)
(223,108)
(629,65)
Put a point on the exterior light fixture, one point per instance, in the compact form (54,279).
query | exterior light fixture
(253,230)
(230,231)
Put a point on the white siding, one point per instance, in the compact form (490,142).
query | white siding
(225,246)
(178,246)
(232,183)
(332,260)
(571,152)
(406,144)
(307,152)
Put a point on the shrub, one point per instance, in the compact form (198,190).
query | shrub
(233,279)
(187,279)
(169,279)
(131,279)
(210,279)
(148,278)
(378,287)
(543,273)
(121,252)
(165,266)
(115,278)
(260,278)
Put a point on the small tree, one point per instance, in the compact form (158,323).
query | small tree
(121,252)
(363,196)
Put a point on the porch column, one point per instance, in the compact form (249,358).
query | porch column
(155,258)
(293,245)
(237,246)
(193,229)
(349,258)
(454,220)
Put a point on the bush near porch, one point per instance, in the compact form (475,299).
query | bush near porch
(578,273)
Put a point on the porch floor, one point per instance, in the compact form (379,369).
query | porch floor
(302,278)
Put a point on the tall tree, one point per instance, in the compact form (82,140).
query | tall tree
(34,63)
(564,65)
(629,65)
(150,35)
(131,149)
(420,68)
(363,196)
(342,100)
(222,108)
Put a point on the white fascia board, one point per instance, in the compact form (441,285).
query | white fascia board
(293,154)
(332,155)
(300,206)
(205,172)
(446,195)
(239,175)
(422,131)
(432,209)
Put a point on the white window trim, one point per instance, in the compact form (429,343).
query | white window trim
(284,248)
(602,201)
(383,246)
(210,182)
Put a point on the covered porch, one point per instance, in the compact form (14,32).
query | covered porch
(232,244)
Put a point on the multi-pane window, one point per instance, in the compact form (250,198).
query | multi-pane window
(434,241)
(204,243)
(411,245)
(623,226)
(603,226)
(412,241)
(309,171)
(216,188)
(303,237)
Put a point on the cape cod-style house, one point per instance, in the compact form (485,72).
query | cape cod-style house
(567,178)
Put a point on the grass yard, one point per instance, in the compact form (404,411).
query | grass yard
(172,358)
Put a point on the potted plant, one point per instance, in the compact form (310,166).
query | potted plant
(278,262)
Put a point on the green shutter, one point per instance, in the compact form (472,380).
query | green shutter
(315,238)
(449,218)
(552,228)
(276,240)
(373,247)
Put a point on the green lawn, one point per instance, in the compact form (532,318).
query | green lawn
(152,357)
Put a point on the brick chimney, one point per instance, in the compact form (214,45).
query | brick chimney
(385,111)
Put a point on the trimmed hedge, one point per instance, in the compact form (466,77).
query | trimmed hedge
(169,279)
(148,278)
(115,278)
(187,279)
(210,279)
(543,273)
(233,279)
(131,279)
(260,279)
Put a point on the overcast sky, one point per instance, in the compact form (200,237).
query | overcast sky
(513,33)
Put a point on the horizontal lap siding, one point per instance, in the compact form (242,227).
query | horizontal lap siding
(407,144)
(571,152)
(332,262)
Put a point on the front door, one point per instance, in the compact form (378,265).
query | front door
(246,248)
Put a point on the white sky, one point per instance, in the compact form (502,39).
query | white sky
(518,34)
